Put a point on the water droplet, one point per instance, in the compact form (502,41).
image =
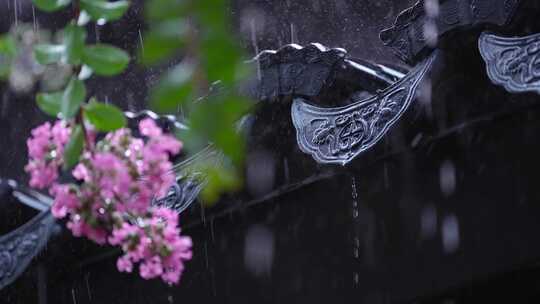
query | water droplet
(417,140)
(259,250)
(431,33)
(260,173)
(84,18)
(450,234)
(141,41)
(428,222)
(354,193)
(432,8)
(447,178)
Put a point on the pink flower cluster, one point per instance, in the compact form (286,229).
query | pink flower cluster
(155,242)
(45,150)
(118,179)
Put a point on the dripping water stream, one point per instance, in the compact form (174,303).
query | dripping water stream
(356,239)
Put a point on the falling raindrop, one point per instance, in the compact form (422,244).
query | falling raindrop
(206,255)
(141,41)
(97,29)
(259,250)
(203,216)
(212,230)
(450,234)
(260,173)
(386,177)
(431,33)
(447,178)
(424,96)
(356,250)
(416,140)
(34,18)
(16,11)
(354,198)
(356,239)
(428,222)
(286,169)
(432,8)
(293,34)
(88,286)
(255,46)
(354,193)
(73,296)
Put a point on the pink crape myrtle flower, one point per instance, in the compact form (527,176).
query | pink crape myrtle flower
(117,178)
(160,249)
(45,150)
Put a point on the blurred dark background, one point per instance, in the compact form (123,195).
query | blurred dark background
(446,209)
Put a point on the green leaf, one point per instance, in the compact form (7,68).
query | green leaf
(163,41)
(5,67)
(49,53)
(74,38)
(105,60)
(219,179)
(8,46)
(222,57)
(104,117)
(104,10)
(174,89)
(159,10)
(50,103)
(51,5)
(212,14)
(215,119)
(72,98)
(8,50)
(74,148)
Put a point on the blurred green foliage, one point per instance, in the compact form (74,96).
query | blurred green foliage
(104,10)
(197,32)
(104,117)
(74,148)
(200,32)
(8,50)
(101,59)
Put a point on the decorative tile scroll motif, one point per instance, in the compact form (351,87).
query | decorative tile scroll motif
(513,63)
(187,187)
(189,182)
(338,135)
(181,195)
(404,35)
(294,69)
(19,247)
